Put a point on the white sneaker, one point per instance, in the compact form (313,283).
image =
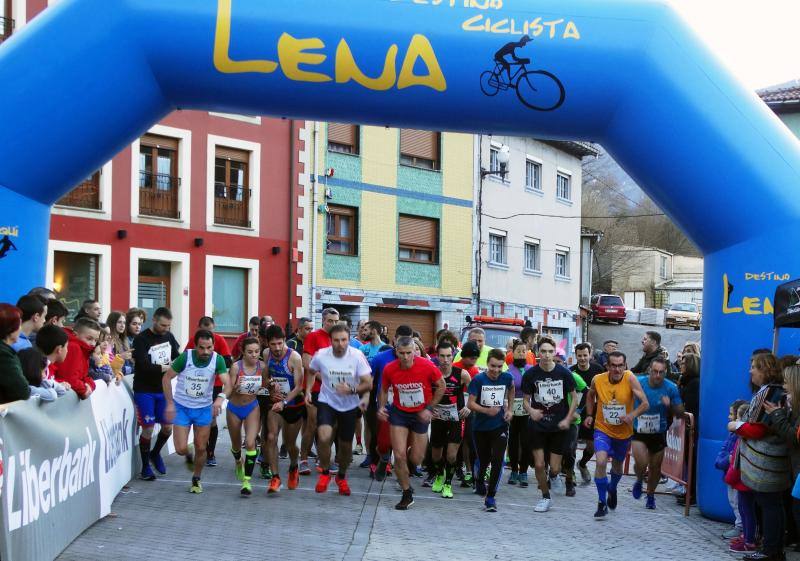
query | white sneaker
(670,485)
(557,484)
(679,490)
(543,505)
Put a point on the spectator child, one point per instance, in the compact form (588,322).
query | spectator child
(723,463)
(75,368)
(34,365)
(100,360)
(52,341)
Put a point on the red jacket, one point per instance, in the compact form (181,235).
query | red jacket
(75,368)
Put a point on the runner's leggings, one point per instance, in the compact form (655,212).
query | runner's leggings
(491,449)
(519,452)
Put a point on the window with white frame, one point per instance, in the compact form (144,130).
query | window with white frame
(497,248)
(563,186)
(662,270)
(229,303)
(562,262)
(533,175)
(532,255)
(493,155)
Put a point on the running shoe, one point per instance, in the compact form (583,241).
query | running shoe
(196,487)
(570,489)
(158,462)
(761,556)
(211,461)
(247,488)
(601,512)
(282,453)
(679,490)
(304,469)
(417,472)
(438,483)
(358,450)
(612,498)
(334,468)
(294,478)
(741,547)
(406,501)
(513,478)
(586,477)
(490,505)
(480,488)
(523,480)
(344,488)
(556,483)
(366,463)
(651,502)
(275,484)
(266,472)
(543,505)
(239,471)
(381,469)
(731,533)
(447,491)
(429,480)
(147,474)
(312,454)
(322,483)
(636,491)
(460,473)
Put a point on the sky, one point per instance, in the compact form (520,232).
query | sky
(759,41)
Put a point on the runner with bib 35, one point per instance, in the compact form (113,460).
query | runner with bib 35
(610,404)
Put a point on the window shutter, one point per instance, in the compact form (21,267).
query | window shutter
(419,144)
(342,134)
(159,141)
(416,231)
(233,154)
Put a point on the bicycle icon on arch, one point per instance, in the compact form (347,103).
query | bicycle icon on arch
(536,89)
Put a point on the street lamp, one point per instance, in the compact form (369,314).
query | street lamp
(502,160)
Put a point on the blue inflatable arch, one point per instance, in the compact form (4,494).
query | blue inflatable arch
(627,74)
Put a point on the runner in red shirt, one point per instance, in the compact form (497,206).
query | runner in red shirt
(222,349)
(417,386)
(314,341)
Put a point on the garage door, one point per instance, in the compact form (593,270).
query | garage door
(424,322)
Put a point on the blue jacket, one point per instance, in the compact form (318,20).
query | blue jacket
(723,460)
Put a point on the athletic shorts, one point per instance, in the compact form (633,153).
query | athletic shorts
(149,408)
(655,442)
(345,421)
(616,448)
(446,432)
(242,411)
(293,414)
(411,421)
(315,399)
(188,416)
(554,442)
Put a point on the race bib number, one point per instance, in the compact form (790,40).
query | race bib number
(283,385)
(649,424)
(492,396)
(337,378)
(447,412)
(551,392)
(518,410)
(249,384)
(196,386)
(161,354)
(413,397)
(613,413)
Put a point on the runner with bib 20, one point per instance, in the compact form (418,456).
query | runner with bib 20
(248,378)
(650,438)
(610,405)
(192,405)
(491,394)
(447,427)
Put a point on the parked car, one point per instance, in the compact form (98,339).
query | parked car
(498,330)
(683,313)
(607,307)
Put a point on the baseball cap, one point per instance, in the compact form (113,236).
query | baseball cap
(470,350)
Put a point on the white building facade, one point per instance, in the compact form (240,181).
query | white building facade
(528,229)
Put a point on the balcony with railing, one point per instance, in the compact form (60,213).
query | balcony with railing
(231,205)
(6,28)
(85,196)
(158,195)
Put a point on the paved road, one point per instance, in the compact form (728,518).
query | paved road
(630,335)
(161,520)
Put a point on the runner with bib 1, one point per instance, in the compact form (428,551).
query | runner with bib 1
(611,401)
(248,377)
(650,438)
(447,429)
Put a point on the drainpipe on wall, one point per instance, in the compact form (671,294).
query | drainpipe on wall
(479,216)
(313,217)
(292,202)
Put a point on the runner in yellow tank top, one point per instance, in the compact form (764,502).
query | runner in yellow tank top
(611,400)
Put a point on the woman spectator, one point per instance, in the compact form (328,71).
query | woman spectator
(134,319)
(34,364)
(689,386)
(120,347)
(764,457)
(13,385)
